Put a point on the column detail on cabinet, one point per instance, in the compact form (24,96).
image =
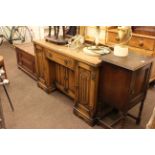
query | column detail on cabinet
(45,70)
(86,92)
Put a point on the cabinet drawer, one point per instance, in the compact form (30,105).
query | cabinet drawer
(61,59)
(144,43)
(112,37)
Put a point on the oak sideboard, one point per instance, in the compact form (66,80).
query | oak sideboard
(78,76)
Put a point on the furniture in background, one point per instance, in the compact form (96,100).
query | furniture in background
(26,58)
(142,43)
(147,30)
(77,75)
(123,84)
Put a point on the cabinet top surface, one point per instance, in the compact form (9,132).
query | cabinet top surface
(26,47)
(131,62)
(73,53)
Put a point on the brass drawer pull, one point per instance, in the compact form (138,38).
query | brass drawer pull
(117,39)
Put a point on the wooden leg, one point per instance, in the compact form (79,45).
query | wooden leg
(140,113)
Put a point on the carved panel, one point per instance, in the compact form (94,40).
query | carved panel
(60,74)
(71,81)
(84,87)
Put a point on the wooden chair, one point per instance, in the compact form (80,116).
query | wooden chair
(151,123)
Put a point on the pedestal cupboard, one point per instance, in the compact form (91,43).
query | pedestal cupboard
(72,72)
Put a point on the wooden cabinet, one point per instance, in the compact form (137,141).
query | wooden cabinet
(140,43)
(26,58)
(123,84)
(72,72)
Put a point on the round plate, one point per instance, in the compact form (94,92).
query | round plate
(96,51)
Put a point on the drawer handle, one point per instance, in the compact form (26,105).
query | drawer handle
(141,44)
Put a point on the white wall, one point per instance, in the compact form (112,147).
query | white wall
(37,31)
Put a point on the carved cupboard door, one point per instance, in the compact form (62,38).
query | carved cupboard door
(83,87)
(60,76)
(86,92)
(65,80)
